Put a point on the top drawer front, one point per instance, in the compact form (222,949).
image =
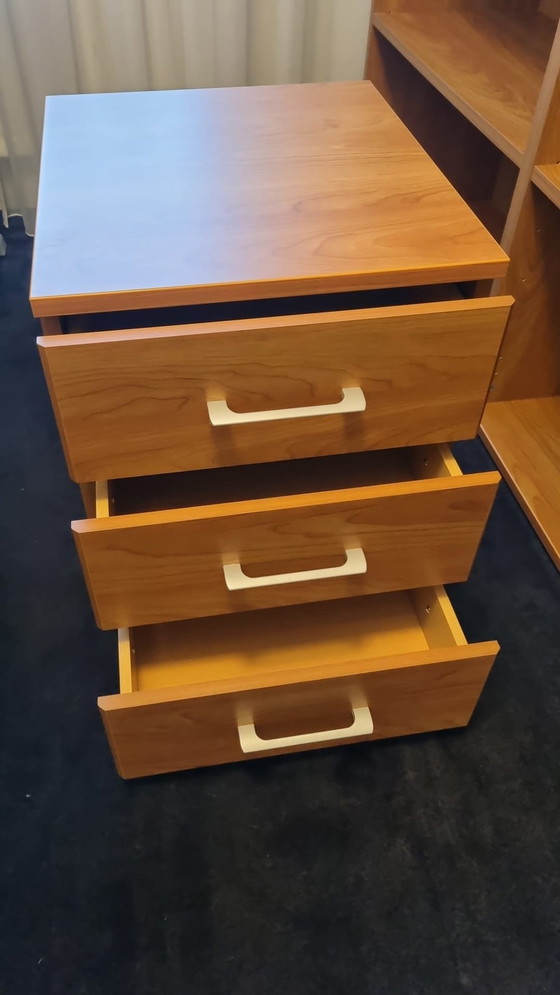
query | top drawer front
(136,402)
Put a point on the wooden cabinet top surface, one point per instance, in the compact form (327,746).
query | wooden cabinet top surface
(190,196)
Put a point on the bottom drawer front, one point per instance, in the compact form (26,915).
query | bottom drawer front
(409,674)
(183,733)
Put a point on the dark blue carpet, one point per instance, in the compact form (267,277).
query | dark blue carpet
(427,865)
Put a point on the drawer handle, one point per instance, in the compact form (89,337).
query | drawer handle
(236,580)
(251,742)
(353,399)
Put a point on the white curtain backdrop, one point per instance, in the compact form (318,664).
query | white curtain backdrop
(81,46)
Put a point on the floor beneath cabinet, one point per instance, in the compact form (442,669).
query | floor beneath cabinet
(403,867)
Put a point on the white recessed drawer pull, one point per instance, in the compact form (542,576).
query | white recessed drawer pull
(236,580)
(353,399)
(251,742)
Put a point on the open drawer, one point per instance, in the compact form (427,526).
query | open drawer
(222,393)
(212,691)
(232,540)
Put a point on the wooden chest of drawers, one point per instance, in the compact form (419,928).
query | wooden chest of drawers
(255,390)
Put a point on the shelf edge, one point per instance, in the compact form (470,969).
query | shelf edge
(503,464)
(511,151)
(546,185)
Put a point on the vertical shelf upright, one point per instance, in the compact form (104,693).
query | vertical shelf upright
(478,84)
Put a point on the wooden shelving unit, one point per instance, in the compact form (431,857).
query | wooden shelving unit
(547,179)
(478,84)
(524,438)
(482,174)
(481,59)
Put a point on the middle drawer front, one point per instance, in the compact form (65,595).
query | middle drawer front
(189,397)
(297,544)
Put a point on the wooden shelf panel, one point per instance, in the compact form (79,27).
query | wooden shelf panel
(488,64)
(524,439)
(547,179)
(480,172)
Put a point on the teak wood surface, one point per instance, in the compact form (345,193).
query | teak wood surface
(487,62)
(261,192)
(158,566)
(529,364)
(524,439)
(547,178)
(497,63)
(478,170)
(135,402)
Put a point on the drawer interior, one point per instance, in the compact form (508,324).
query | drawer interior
(231,647)
(265,480)
(307,304)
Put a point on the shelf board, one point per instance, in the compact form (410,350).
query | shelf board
(524,439)
(489,65)
(547,179)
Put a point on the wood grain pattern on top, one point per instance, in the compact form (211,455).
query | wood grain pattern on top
(190,196)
